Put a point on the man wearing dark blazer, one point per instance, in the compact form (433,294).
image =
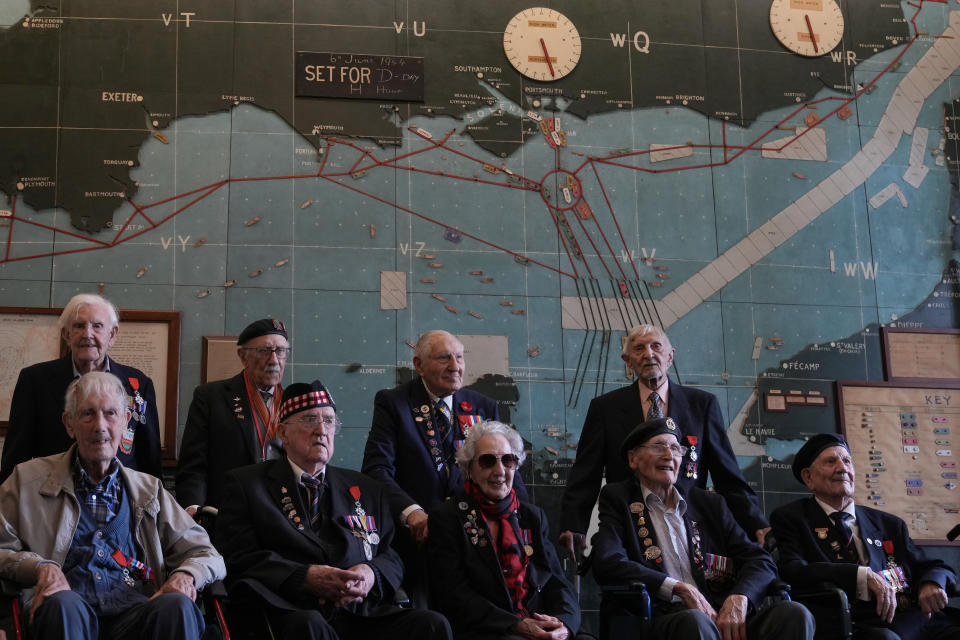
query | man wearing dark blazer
(233,422)
(88,325)
(311,542)
(411,444)
(705,576)
(648,353)
(896,591)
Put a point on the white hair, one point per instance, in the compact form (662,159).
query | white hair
(642,330)
(83,300)
(466,453)
(91,383)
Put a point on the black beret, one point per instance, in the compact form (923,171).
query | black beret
(301,396)
(812,448)
(646,430)
(264,327)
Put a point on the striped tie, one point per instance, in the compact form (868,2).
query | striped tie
(655,410)
(849,547)
(314,490)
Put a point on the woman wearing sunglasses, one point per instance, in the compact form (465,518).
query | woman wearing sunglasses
(493,571)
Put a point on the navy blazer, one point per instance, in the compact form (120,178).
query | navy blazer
(610,419)
(36,426)
(619,555)
(466,579)
(220,435)
(268,552)
(398,455)
(807,560)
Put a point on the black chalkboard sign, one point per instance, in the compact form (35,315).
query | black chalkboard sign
(359,76)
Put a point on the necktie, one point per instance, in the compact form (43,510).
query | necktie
(314,490)
(443,417)
(267,400)
(655,410)
(848,546)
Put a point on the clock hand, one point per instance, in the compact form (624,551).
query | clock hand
(813,38)
(547,55)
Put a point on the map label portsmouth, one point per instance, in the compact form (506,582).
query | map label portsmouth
(359,76)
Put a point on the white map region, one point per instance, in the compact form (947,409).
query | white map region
(805,144)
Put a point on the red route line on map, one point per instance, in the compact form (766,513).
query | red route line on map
(527,186)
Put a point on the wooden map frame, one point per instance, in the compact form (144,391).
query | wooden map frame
(168,365)
(933,371)
(871,419)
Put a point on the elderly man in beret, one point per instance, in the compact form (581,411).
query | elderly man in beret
(310,542)
(232,423)
(102,551)
(898,592)
(89,325)
(706,577)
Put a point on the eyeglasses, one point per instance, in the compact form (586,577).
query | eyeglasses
(508,460)
(677,450)
(311,422)
(282,353)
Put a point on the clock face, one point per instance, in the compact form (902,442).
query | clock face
(542,44)
(808,27)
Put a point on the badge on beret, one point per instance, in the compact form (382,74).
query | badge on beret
(671,424)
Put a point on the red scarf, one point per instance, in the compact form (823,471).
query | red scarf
(510,552)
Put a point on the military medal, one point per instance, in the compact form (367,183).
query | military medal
(652,553)
(373,537)
(643,532)
(526,537)
(367,551)
(355,492)
(692,441)
(126,441)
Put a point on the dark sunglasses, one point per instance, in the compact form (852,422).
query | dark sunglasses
(508,460)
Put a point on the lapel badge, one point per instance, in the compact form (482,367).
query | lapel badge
(671,424)
(835,545)
(652,553)
(463,506)
(466,406)
(821,532)
(283,489)
(418,418)
(424,408)
(643,532)
(869,541)
(636,507)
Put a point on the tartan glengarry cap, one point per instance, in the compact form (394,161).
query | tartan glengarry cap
(264,327)
(301,396)
(646,430)
(812,448)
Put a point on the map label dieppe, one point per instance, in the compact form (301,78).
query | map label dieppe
(359,76)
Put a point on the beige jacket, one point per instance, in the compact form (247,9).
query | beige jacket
(39,513)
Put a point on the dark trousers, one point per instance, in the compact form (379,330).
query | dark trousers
(782,620)
(67,616)
(310,624)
